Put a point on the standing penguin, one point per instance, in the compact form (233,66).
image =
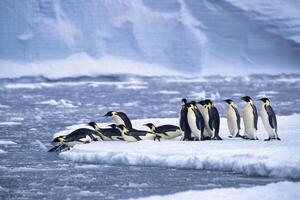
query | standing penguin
(183,122)
(208,131)
(120,118)
(214,119)
(200,119)
(233,119)
(250,119)
(269,119)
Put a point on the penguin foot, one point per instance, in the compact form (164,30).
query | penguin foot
(230,136)
(205,138)
(267,139)
(278,139)
(217,138)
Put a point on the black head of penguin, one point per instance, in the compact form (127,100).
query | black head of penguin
(265,100)
(229,101)
(109,114)
(202,102)
(93,124)
(149,125)
(121,127)
(208,102)
(184,101)
(246,98)
(193,103)
(113,126)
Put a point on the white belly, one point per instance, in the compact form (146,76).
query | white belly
(232,122)
(248,119)
(207,131)
(171,134)
(265,119)
(118,120)
(148,136)
(192,123)
(128,138)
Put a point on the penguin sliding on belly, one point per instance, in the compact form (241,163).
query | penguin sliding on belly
(120,118)
(183,121)
(233,119)
(135,135)
(269,119)
(79,136)
(250,119)
(165,131)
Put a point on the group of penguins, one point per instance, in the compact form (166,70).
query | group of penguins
(197,121)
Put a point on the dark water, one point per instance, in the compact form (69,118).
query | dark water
(33,109)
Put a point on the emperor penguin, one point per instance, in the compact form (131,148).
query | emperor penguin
(166,132)
(183,122)
(135,135)
(120,118)
(233,119)
(78,136)
(250,119)
(107,134)
(269,119)
(208,130)
(214,119)
(195,121)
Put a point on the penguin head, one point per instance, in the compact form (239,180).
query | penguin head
(246,98)
(265,100)
(208,103)
(150,125)
(113,126)
(193,103)
(122,128)
(94,125)
(110,114)
(183,101)
(229,101)
(189,105)
(202,102)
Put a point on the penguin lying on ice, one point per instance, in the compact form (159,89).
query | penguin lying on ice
(79,136)
(167,132)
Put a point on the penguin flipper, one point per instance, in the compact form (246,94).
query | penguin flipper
(55,148)
(255,115)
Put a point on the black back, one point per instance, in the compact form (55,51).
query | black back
(216,119)
(109,132)
(79,134)
(183,122)
(126,120)
(199,120)
(238,117)
(272,117)
(166,128)
(255,115)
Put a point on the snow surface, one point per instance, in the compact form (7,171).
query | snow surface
(274,191)
(6,142)
(53,38)
(255,158)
